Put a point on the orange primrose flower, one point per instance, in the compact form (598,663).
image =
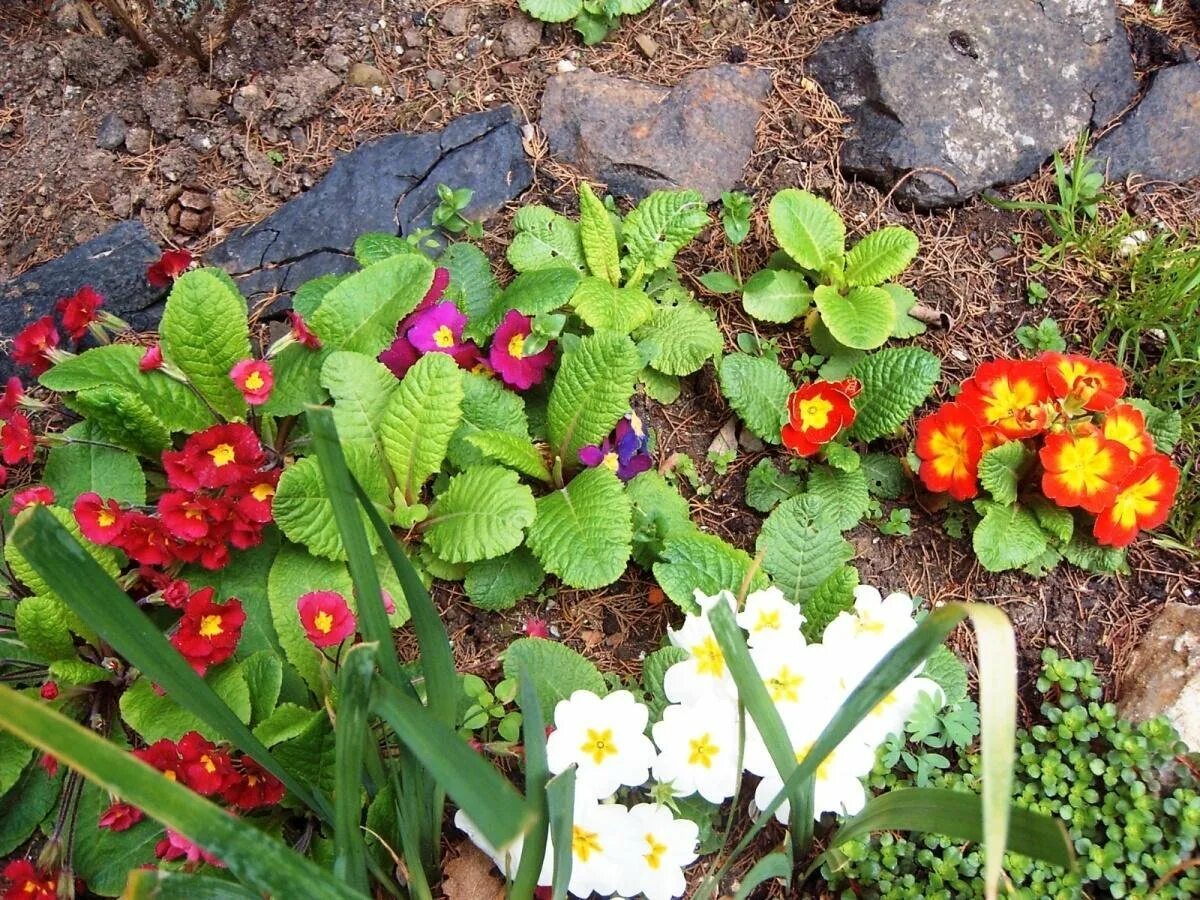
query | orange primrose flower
(1142,502)
(817,412)
(1083,470)
(950,443)
(1010,394)
(1126,425)
(1095,384)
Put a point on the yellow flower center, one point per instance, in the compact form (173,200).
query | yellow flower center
(709,659)
(516,346)
(31,888)
(584,843)
(254,381)
(261,492)
(323,622)
(209,765)
(599,745)
(1007,399)
(702,751)
(885,704)
(814,413)
(444,337)
(193,513)
(169,775)
(657,850)
(784,686)
(949,448)
(1083,464)
(222,455)
(105,518)
(768,621)
(611,461)
(210,626)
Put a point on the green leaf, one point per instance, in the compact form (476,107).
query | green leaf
(309,757)
(286,722)
(14,755)
(950,674)
(772,866)
(155,716)
(757,388)
(123,418)
(375,246)
(25,805)
(591,392)
(500,583)
(421,418)
(28,573)
(1055,521)
(540,291)
(163,884)
(245,577)
(117,364)
(808,228)
(660,387)
(297,381)
(885,475)
(658,513)
(106,858)
(1000,471)
(1008,537)
(654,671)
(76,671)
(1165,426)
(205,333)
(861,319)
(486,406)
(557,671)
(843,494)
(704,562)
(77,468)
(802,546)
(598,237)
(264,679)
(881,256)
(721,283)
(904,300)
(310,295)
(512,450)
(302,508)
(660,226)
(583,532)
(680,338)
(361,388)
(254,857)
(841,457)
(1084,552)
(351,729)
(543,239)
(593,27)
(834,595)
(474,287)
(44,625)
(552,10)
(483,513)
(777,295)
(767,486)
(894,383)
(296,572)
(361,313)
(605,307)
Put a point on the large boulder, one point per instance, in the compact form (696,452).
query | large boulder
(637,137)
(1160,139)
(965,96)
(1163,678)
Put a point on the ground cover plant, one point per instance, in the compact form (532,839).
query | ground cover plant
(593,19)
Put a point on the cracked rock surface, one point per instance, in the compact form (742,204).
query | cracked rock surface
(638,138)
(982,92)
(386,185)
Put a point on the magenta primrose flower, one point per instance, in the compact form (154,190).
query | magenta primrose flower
(507,354)
(439,330)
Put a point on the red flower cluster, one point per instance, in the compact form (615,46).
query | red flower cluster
(219,495)
(1094,451)
(25,881)
(817,412)
(79,311)
(34,344)
(208,632)
(170,266)
(17,442)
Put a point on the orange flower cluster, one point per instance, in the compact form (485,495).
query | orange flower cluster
(1094,450)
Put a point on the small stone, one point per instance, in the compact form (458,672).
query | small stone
(199,141)
(647,45)
(335,60)
(414,38)
(725,441)
(93,61)
(436,78)
(999,252)
(111,135)
(249,102)
(520,36)
(363,75)
(56,68)
(749,442)
(137,140)
(202,102)
(163,103)
(565,67)
(1163,677)
(456,85)
(303,94)
(455,20)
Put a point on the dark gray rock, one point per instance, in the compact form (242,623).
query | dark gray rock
(638,137)
(386,185)
(112,131)
(114,264)
(983,92)
(1160,139)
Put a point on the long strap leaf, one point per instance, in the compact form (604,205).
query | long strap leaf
(560,796)
(258,860)
(89,591)
(351,731)
(537,774)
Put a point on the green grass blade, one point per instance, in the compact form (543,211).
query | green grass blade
(958,815)
(773,865)
(560,798)
(485,795)
(351,732)
(92,595)
(258,860)
(339,484)
(537,774)
(757,701)
(160,884)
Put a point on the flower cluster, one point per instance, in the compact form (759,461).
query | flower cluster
(1093,450)
(436,326)
(17,442)
(626,451)
(36,346)
(817,412)
(695,748)
(219,494)
(25,881)
(208,632)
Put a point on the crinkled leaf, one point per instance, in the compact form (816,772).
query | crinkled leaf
(25,805)
(834,595)
(1000,471)
(757,388)
(1083,551)
(660,386)
(28,575)
(767,486)
(74,469)
(205,333)
(1165,426)
(808,228)
(1055,521)
(680,338)
(361,312)
(44,626)
(155,716)
(486,406)
(951,675)
(777,295)
(297,381)
(881,255)
(841,457)
(698,561)
(375,246)
(861,319)
(598,237)
(894,383)
(483,513)
(843,494)
(512,450)
(904,300)
(264,677)
(106,858)
(540,290)
(76,671)
(1007,537)
(123,418)
(303,510)
(658,513)
(500,583)
(421,417)
(556,670)
(245,577)
(720,282)
(591,392)
(802,546)
(310,294)
(284,723)
(473,287)
(605,307)
(552,10)
(543,239)
(885,475)
(583,532)
(361,388)
(13,756)
(660,226)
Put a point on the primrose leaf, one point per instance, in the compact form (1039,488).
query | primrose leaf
(583,533)
(881,255)
(77,468)
(659,386)
(777,295)
(376,246)
(904,300)
(25,573)
(156,716)
(767,486)
(591,392)
(557,671)
(543,239)
(303,510)
(861,319)
(834,595)
(1084,552)
(540,290)
(361,312)
(552,11)
(513,450)
(1008,537)
(500,583)
(296,572)
(951,675)
(604,307)
(310,294)
(680,337)
(44,625)
(598,237)
(694,561)
(474,288)
(422,416)
(486,406)
(659,512)
(894,383)
(1165,426)
(660,226)
(361,388)
(654,672)
(802,546)
(885,475)
(123,418)
(843,494)
(808,228)
(482,513)
(757,388)
(297,381)
(1000,471)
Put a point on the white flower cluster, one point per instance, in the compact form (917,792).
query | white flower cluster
(644,849)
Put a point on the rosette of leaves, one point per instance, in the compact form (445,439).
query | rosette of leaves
(593,19)
(852,292)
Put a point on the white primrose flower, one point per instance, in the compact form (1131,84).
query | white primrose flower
(699,750)
(662,847)
(703,676)
(507,859)
(875,627)
(892,712)
(803,675)
(768,616)
(604,737)
(602,848)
